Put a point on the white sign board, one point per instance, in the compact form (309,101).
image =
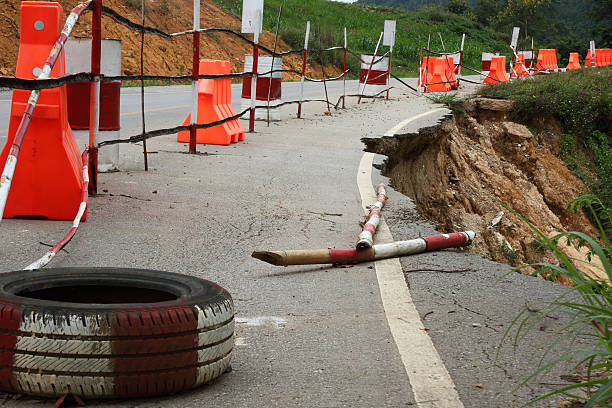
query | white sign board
(252,16)
(515,34)
(389,38)
(592,44)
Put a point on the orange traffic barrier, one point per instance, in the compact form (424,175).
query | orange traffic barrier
(214,104)
(547,60)
(438,74)
(519,69)
(498,71)
(574,61)
(603,57)
(48,179)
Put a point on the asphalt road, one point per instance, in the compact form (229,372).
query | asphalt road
(306,336)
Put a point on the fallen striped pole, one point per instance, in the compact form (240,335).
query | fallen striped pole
(42,262)
(354,255)
(366,238)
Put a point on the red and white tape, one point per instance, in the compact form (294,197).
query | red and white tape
(42,262)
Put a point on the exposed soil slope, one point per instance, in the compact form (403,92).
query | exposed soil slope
(456,171)
(162,57)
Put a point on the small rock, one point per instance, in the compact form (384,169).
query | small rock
(479,386)
(476,325)
(154,191)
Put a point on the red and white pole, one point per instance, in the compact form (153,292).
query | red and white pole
(94,112)
(366,238)
(299,113)
(344,71)
(354,255)
(370,68)
(389,71)
(258,17)
(195,72)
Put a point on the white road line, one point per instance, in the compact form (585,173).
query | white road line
(431,383)
(403,123)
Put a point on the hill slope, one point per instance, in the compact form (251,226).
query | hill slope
(364,24)
(162,57)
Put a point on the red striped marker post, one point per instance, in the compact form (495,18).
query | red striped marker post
(354,255)
(299,113)
(366,238)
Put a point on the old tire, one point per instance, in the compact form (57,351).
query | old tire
(111,332)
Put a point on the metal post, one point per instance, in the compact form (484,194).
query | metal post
(299,112)
(195,72)
(370,68)
(344,71)
(142,92)
(254,70)
(94,111)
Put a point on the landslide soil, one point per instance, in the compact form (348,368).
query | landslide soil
(456,171)
(161,56)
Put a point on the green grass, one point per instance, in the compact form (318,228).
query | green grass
(581,102)
(587,306)
(364,24)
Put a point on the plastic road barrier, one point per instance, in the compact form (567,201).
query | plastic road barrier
(214,104)
(574,61)
(47,181)
(498,71)
(377,80)
(519,69)
(486,62)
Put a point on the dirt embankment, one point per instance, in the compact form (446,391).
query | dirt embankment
(456,171)
(162,56)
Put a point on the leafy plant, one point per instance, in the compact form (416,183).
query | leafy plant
(587,305)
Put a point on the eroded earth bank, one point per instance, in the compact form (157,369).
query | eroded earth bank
(457,172)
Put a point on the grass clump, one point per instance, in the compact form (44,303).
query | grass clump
(588,308)
(581,102)
(452,100)
(364,24)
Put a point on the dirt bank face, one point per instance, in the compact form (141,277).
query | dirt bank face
(161,56)
(456,171)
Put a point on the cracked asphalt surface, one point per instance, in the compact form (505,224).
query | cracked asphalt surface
(322,337)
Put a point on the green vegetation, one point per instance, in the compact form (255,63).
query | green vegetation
(364,24)
(587,306)
(566,25)
(581,102)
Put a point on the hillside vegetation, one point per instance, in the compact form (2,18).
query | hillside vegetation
(364,24)
(566,25)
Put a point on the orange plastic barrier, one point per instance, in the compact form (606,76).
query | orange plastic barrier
(603,57)
(214,103)
(547,59)
(439,75)
(519,69)
(574,61)
(48,179)
(498,71)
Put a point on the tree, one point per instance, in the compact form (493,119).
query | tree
(486,10)
(459,7)
(524,13)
